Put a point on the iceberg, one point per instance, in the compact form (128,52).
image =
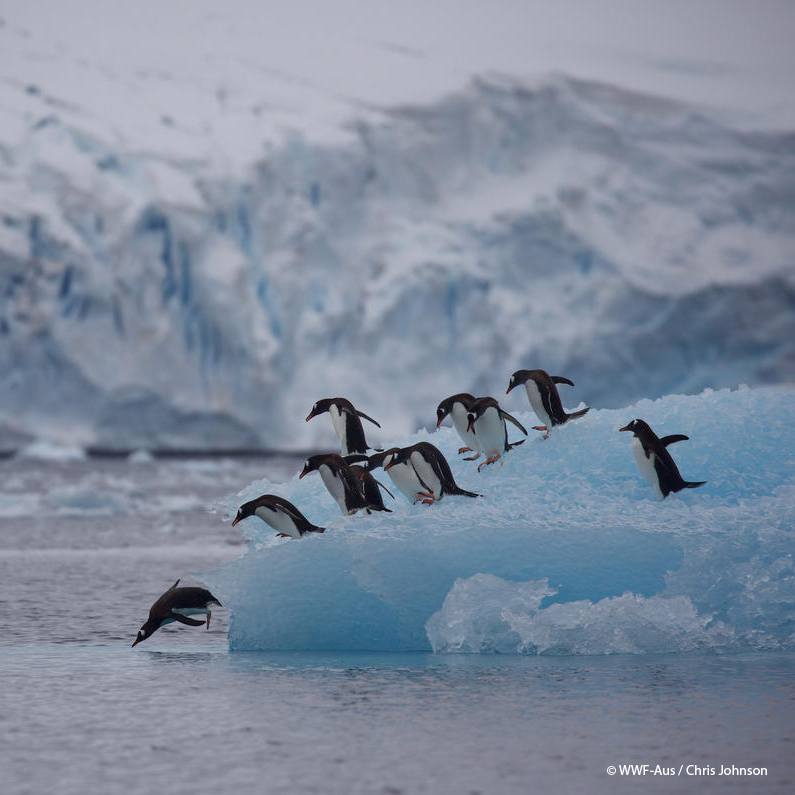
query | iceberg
(567,551)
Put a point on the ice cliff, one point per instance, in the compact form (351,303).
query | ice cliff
(633,244)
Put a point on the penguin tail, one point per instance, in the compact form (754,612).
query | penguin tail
(693,485)
(315,529)
(511,445)
(463,492)
(575,414)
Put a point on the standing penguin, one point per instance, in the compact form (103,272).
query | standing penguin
(280,514)
(341,481)
(346,422)
(176,604)
(655,462)
(458,406)
(487,420)
(544,398)
(432,470)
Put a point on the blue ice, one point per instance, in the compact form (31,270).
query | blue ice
(568,550)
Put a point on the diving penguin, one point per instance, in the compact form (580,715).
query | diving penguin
(655,462)
(458,406)
(176,604)
(487,420)
(544,398)
(346,422)
(280,514)
(432,470)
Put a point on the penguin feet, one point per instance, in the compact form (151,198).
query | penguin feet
(472,457)
(428,501)
(489,460)
(464,450)
(542,428)
(282,535)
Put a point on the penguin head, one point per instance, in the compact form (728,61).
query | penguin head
(146,631)
(320,407)
(379,459)
(396,456)
(518,378)
(446,406)
(248,509)
(638,427)
(471,419)
(314,461)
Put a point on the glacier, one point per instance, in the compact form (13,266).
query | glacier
(567,552)
(273,227)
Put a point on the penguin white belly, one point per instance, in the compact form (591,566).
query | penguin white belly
(536,402)
(339,421)
(646,466)
(335,486)
(458,414)
(490,430)
(426,474)
(405,478)
(279,521)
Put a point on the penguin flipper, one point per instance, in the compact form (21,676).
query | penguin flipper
(559,379)
(515,444)
(191,622)
(174,585)
(580,413)
(675,437)
(694,484)
(506,416)
(385,488)
(365,417)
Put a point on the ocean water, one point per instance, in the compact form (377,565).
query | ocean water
(87,545)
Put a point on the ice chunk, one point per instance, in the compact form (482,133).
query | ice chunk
(567,551)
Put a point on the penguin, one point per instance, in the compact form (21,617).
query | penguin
(487,420)
(544,398)
(341,481)
(458,406)
(280,514)
(176,604)
(403,474)
(346,422)
(432,470)
(655,462)
(371,489)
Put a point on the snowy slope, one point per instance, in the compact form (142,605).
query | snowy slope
(567,551)
(198,241)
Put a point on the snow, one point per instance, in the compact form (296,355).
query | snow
(568,550)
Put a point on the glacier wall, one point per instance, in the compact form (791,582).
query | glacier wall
(636,245)
(567,551)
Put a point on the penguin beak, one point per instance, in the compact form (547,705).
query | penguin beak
(237,519)
(470,424)
(389,466)
(439,421)
(508,391)
(627,428)
(309,416)
(137,640)
(304,472)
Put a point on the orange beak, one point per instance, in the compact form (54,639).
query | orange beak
(625,429)
(237,519)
